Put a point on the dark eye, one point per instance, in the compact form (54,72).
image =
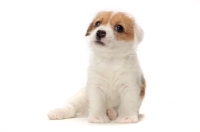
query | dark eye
(97,23)
(119,28)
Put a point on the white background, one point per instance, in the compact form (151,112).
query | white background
(44,57)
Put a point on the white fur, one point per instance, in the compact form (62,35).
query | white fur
(113,87)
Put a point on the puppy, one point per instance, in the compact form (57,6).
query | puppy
(116,85)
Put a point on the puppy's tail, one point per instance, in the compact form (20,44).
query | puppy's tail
(78,104)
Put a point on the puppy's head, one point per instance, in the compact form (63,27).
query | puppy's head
(114,30)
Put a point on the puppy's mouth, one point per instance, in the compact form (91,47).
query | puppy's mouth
(99,42)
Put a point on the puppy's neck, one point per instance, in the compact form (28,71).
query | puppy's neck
(114,55)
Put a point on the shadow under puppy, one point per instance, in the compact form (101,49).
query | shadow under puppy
(116,85)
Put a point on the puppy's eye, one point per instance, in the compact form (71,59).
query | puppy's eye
(119,28)
(97,23)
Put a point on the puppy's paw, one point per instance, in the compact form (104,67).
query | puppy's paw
(98,119)
(111,113)
(127,119)
(57,114)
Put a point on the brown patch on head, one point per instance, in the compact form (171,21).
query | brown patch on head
(126,22)
(142,87)
(102,17)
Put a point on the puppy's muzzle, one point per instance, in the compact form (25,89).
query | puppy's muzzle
(100,34)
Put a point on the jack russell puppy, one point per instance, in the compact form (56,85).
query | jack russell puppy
(116,85)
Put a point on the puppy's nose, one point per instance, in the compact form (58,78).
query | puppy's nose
(100,34)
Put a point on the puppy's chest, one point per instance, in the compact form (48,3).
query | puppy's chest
(109,68)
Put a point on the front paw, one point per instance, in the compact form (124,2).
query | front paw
(127,119)
(98,119)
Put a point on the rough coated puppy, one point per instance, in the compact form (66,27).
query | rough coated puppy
(116,85)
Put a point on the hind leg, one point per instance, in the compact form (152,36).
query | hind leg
(111,113)
(77,104)
(62,113)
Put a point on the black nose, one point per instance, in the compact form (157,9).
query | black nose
(100,34)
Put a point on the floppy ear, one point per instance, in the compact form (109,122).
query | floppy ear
(138,33)
(90,28)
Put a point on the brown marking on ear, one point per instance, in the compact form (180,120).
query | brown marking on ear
(142,87)
(89,29)
(103,17)
(127,23)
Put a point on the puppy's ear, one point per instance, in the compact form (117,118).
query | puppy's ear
(90,28)
(138,33)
